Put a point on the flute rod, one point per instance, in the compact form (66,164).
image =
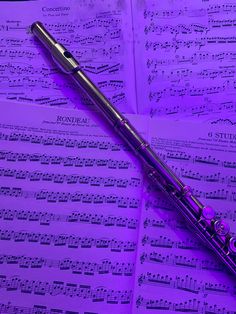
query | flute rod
(202,219)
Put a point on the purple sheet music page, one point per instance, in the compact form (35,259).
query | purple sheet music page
(99,35)
(174,271)
(70,198)
(185,53)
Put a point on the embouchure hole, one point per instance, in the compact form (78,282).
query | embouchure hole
(67,54)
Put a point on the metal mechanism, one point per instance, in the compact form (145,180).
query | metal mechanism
(202,219)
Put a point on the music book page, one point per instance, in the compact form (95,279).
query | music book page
(174,273)
(184,57)
(70,200)
(97,33)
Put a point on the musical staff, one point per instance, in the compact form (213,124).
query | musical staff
(64,197)
(185,283)
(165,242)
(189,28)
(70,241)
(181,261)
(191,91)
(65,161)
(188,11)
(182,156)
(77,267)
(45,218)
(194,59)
(178,74)
(176,222)
(10,308)
(64,142)
(73,290)
(176,44)
(69,179)
(217,194)
(192,305)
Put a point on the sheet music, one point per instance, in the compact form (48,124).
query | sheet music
(174,273)
(99,35)
(185,53)
(70,195)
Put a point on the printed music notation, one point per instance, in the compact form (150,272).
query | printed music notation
(196,159)
(70,241)
(192,305)
(165,242)
(230,180)
(214,194)
(70,27)
(191,91)
(104,267)
(64,197)
(65,161)
(78,219)
(181,261)
(176,44)
(185,283)
(176,222)
(100,41)
(44,218)
(63,142)
(194,58)
(188,11)
(157,305)
(178,74)
(73,290)
(42,309)
(189,28)
(198,43)
(69,179)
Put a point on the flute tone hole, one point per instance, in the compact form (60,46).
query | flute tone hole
(67,54)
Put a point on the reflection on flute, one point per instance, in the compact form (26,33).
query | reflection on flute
(202,219)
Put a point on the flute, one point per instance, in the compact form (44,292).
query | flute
(202,219)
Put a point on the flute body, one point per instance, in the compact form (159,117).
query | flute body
(202,219)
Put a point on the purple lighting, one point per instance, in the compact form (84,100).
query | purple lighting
(82,228)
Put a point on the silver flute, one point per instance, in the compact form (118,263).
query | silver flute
(202,219)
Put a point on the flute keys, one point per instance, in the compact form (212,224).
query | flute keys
(232,245)
(208,213)
(221,227)
(186,190)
